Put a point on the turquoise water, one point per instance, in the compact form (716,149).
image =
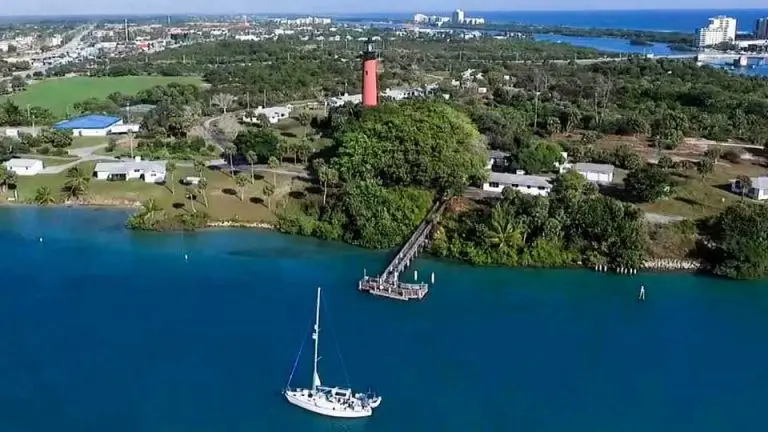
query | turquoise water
(615,45)
(107,330)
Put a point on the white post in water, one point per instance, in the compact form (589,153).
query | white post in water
(433,277)
(416,275)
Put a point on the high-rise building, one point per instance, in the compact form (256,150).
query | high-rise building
(458,16)
(761,28)
(420,18)
(720,29)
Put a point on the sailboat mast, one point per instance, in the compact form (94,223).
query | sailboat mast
(315,376)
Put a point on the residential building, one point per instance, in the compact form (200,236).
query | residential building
(497,159)
(761,28)
(420,18)
(137,169)
(24,167)
(474,21)
(720,29)
(595,173)
(527,184)
(273,114)
(89,125)
(341,100)
(758,189)
(458,17)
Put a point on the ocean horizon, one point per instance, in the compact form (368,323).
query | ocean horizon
(668,20)
(105,329)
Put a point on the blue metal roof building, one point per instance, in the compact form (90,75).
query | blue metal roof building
(91,121)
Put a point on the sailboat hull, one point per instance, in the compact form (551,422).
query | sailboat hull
(326,408)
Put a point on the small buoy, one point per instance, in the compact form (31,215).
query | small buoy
(41,239)
(433,277)
(186,257)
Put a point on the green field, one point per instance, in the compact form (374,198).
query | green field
(58,94)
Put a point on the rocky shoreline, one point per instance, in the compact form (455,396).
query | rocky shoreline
(234,224)
(660,265)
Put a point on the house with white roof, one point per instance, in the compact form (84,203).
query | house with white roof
(527,184)
(757,189)
(341,100)
(137,169)
(595,173)
(273,114)
(24,167)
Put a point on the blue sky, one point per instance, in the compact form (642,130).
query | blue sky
(73,7)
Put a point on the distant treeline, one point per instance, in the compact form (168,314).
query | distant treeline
(648,36)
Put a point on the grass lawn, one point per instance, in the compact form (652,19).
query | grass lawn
(223,197)
(51,161)
(81,141)
(696,197)
(59,94)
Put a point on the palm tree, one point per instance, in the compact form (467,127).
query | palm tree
(150,212)
(252,159)
(170,169)
(503,232)
(269,190)
(3,177)
(11,179)
(273,164)
(202,185)
(241,181)
(328,177)
(746,184)
(199,166)
(230,150)
(76,185)
(303,150)
(44,196)
(284,148)
(190,194)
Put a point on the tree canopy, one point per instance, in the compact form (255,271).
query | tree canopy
(422,144)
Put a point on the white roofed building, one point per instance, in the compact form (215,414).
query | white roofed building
(527,184)
(137,169)
(24,167)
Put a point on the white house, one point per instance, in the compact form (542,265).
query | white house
(596,173)
(24,167)
(124,128)
(147,171)
(273,114)
(758,189)
(527,184)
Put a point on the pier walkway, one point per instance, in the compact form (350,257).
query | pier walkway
(388,283)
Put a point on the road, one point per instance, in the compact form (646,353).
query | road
(69,46)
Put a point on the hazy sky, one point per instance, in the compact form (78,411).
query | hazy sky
(75,7)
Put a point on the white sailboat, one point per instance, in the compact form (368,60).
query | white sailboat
(329,401)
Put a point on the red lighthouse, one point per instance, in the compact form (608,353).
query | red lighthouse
(370,81)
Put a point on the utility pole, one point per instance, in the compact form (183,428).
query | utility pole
(248,101)
(265,98)
(536,112)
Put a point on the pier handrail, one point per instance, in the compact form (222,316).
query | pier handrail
(414,241)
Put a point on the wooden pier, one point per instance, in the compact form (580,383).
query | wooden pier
(388,283)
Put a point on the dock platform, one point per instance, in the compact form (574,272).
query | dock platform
(388,283)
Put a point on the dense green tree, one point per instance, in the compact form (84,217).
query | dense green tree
(648,183)
(423,144)
(261,142)
(741,235)
(378,217)
(538,157)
